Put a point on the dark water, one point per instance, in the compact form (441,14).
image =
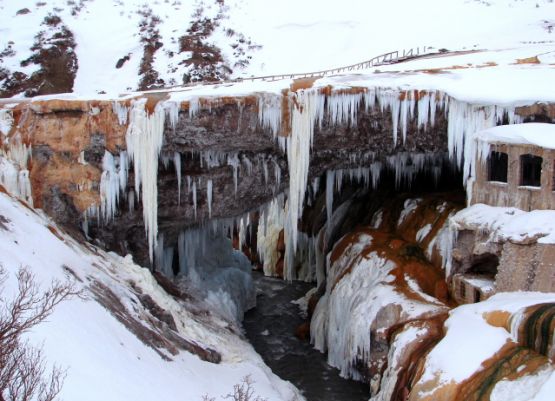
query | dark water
(270,327)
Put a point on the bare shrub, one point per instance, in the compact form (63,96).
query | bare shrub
(243,391)
(23,374)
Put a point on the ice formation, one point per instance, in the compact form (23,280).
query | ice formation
(270,224)
(209,264)
(309,109)
(177,165)
(14,160)
(121,111)
(6,121)
(144,140)
(270,112)
(209,197)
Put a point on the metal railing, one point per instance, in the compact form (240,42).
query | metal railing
(393,57)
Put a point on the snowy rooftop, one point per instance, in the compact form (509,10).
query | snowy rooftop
(538,134)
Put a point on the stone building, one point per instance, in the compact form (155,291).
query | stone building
(504,237)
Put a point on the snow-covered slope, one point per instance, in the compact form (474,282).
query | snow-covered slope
(257,37)
(94,337)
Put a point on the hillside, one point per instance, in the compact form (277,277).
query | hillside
(112,46)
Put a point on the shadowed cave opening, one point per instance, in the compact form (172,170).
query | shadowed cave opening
(227,270)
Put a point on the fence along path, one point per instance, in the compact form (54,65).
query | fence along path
(383,59)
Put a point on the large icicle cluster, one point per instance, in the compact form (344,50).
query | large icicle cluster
(112,181)
(14,160)
(144,141)
(308,110)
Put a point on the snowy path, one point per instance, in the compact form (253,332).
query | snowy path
(270,328)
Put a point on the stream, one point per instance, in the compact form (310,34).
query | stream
(270,328)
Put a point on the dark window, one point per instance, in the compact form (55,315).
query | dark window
(498,165)
(530,170)
(462,289)
(485,265)
(476,295)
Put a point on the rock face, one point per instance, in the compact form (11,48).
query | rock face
(69,138)
(227,152)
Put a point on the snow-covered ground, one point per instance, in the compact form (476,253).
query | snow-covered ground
(470,340)
(104,359)
(294,36)
(507,223)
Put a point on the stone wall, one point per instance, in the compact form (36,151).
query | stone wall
(512,193)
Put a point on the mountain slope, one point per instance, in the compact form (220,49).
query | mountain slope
(123,45)
(127,339)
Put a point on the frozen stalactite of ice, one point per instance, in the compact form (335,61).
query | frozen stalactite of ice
(233,161)
(177,165)
(194,190)
(269,112)
(248,164)
(113,183)
(6,121)
(342,108)
(209,197)
(131,200)
(144,140)
(265,171)
(270,225)
(390,100)
(277,174)
(172,113)
(464,120)
(123,171)
(330,183)
(109,187)
(121,111)
(194,107)
(209,264)
(308,111)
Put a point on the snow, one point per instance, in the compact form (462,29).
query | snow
(507,223)
(409,207)
(470,340)
(423,232)
(536,387)
(537,134)
(104,360)
(343,316)
(396,350)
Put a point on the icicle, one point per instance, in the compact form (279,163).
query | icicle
(277,173)
(194,107)
(248,164)
(109,187)
(390,100)
(121,111)
(172,113)
(144,141)
(233,161)
(330,182)
(177,165)
(131,200)
(315,185)
(195,198)
(308,110)
(269,112)
(188,177)
(265,171)
(423,110)
(6,121)
(209,197)
(123,171)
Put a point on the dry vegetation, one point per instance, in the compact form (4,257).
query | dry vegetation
(23,369)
